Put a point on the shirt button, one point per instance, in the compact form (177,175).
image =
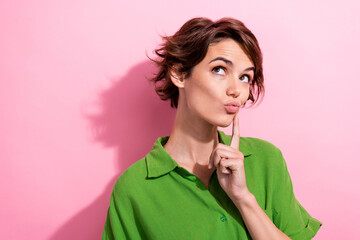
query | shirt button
(223,218)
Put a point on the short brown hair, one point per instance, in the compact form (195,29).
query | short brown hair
(189,45)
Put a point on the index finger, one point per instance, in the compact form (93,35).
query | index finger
(235,138)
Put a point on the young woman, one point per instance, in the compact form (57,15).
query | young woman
(199,183)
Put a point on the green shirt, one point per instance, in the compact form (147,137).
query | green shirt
(155,198)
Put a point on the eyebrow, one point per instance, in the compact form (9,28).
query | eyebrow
(230,63)
(227,61)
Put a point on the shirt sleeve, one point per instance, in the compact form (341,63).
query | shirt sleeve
(121,221)
(289,216)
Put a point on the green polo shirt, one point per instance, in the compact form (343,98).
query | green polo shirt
(155,198)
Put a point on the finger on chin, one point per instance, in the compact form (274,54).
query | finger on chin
(235,138)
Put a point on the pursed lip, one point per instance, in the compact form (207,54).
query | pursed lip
(232,107)
(236,104)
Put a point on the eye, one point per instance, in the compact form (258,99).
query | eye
(219,70)
(245,78)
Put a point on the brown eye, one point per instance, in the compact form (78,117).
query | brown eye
(245,78)
(219,70)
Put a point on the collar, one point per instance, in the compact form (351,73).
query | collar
(159,162)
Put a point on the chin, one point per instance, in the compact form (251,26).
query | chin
(224,125)
(224,121)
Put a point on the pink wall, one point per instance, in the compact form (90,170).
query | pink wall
(71,73)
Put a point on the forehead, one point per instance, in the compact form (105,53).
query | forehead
(229,49)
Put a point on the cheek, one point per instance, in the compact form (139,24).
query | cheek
(203,96)
(210,93)
(245,94)
(202,89)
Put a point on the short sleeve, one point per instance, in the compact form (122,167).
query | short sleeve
(289,216)
(121,222)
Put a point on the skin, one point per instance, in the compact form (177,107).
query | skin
(194,133)
(223,76)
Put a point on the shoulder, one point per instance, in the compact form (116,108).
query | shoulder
(259,146)
(131,179)
(263,152)
(251,145)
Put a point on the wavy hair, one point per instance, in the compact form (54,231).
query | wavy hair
(188,47)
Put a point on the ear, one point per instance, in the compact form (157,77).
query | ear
(177,77)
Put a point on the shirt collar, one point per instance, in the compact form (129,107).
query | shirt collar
(159,162)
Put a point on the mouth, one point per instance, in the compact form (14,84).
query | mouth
(232,107)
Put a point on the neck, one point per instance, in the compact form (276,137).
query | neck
(191,140)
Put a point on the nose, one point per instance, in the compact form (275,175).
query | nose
(234,88)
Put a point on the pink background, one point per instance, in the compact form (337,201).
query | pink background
(76,110)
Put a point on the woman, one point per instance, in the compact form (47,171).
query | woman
(199,183)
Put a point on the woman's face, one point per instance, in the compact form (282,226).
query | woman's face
(222,77)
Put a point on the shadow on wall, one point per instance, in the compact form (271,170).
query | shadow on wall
(132,117)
